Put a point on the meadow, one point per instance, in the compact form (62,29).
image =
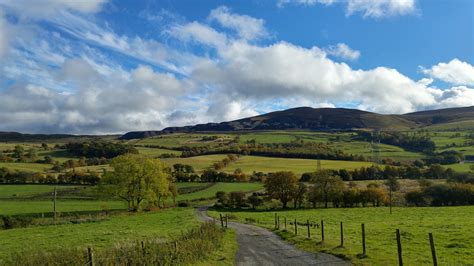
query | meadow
(453,232)
(249,164)
(127,227)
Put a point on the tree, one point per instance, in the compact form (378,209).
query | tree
(236,198)
(18,151)
(329,185)
(416,198)
(221,197)
(255,200)
(135,179)
(298,195)
(392,185)
(281,186)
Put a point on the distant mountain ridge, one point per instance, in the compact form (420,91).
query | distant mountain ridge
(323,119)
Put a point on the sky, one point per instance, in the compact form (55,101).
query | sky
(112,66)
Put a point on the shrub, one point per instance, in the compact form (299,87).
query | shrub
(10,222)
(183,204)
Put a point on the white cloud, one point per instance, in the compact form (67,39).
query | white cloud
(381,8)
(455,72)
(246,71)
(139,100)
(281,3)
(45,8)
(368,8)
(200,33)
(343,51)
(247,27)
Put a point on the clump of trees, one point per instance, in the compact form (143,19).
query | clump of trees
(137,179)
(99,149)
(225,162)
(325,189)
(294,149)
(8,176)
(408,141)
(458,191)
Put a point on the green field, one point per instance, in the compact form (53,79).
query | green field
(227,187)
(27,167)
(12,207)
(248,164)
(199,163)
(464,167)
(155,152)
(180,139)
(163,224)
(452,229)
(12,191)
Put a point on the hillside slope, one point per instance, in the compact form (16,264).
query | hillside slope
(324,119)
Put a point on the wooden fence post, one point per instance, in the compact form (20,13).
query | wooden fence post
(363,241)
(399,248)
(222,220)
(296,228)
(285,223)
(322,231)
(226,220)
(143,248)
(433,250)
(275,220)
(55,194)
(278,222)
(90,257)
(307,226)
(342,235)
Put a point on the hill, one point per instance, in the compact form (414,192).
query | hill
(323,119)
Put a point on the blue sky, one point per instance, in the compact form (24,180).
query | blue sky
(105,66)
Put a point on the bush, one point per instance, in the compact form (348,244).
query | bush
(183,204)
(10,222)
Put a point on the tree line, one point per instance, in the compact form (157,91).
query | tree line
(99,149)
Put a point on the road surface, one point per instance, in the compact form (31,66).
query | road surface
(258,246)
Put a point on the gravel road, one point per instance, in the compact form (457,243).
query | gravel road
(258,246)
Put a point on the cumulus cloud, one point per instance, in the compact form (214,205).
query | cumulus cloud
(284,69)
(247,27)
(380,8)
(200,33)
(343,51)
(455,72)
(368,8)
(139,100)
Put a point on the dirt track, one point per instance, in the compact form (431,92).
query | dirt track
(258,246)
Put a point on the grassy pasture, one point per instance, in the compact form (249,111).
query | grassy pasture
(12,191)
(155,152)
(226,187)
(180,139)
(456,126)
(248,164)
(27,167)
(200,163)
(163,224)
(13,207)
(453,232)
